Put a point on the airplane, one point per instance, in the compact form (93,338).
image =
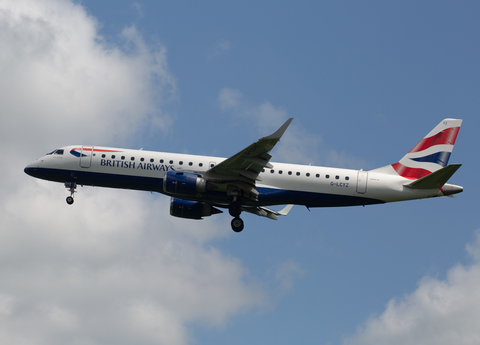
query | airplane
(249,182)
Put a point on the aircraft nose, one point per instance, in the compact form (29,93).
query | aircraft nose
(32,168)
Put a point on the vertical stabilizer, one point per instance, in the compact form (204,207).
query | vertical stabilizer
(431,153)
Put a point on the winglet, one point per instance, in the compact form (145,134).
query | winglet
(278,134)
(266,212)
(285,210)
(274,214)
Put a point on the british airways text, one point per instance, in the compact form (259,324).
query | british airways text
(133,165)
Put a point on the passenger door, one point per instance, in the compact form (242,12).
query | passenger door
(86,156)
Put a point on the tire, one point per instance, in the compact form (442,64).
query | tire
(237,224)
(69,200)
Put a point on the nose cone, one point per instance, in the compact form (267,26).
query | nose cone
(449,189)
(33,168)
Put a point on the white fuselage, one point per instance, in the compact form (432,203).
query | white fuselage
(313,186)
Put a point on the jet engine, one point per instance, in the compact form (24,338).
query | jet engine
(183,183)
(191,209)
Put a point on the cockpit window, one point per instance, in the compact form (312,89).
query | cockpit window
(56,152)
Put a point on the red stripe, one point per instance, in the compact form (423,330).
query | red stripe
(94,150)
(445,137)
(411,173)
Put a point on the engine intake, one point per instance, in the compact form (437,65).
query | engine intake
(183,183)
(191,209)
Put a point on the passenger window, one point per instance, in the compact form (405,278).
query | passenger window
(132,158)
(280,172)
(171,162)
(337,177)
(200,164)
(327,176)
(113,156)
(190,163)
(103,156)
(123,157)
(317,175)
(347,178)
(298,174)
(161,160)
(308,174)
(289,172)
(272,171)
(151,160)
(142,159)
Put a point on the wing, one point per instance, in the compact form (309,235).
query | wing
(239,173)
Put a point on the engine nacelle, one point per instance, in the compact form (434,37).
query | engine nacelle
(191,209)
(183,183)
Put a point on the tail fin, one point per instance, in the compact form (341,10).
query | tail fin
(431,153)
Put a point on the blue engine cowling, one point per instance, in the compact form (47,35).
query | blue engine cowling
(183,183)
(191,209)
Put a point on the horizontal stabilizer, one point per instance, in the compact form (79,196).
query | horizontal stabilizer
(436,179)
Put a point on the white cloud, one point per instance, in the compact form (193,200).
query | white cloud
(229,99)
(115,267)
(139,9)
(218,49)
(57,70)
(344,160)
(111,267)
(437,312)
(287,273)
(298,145)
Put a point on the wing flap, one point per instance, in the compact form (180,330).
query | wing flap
(260,161)
(251,175)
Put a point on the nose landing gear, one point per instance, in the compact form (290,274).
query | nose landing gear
(71,187)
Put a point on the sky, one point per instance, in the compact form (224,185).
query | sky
(364,82)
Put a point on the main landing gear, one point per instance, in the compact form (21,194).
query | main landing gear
(235,209)
(237,224)
(71,187)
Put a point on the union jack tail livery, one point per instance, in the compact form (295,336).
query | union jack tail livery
(431,153)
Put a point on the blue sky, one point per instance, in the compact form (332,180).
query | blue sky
(365,81)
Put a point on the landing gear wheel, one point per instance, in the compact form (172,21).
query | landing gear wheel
(71,188)
(235,209)
(237,224)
